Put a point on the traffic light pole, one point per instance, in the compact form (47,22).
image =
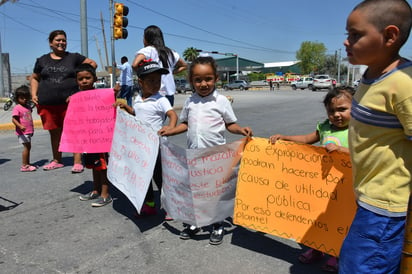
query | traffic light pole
(83,27)
(113,80)
(226,54)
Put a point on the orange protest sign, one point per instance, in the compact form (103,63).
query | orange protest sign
(296,191)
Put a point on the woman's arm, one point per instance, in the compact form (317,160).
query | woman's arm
(34,85)
(91,62)
(181,65)
(137,60)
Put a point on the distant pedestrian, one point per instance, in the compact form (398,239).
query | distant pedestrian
(22,119)
(126,80)
(86,77)
(206,115)
(155,49)
(52,82)
(270,85)
(333,135)
(152,108)
(380,136)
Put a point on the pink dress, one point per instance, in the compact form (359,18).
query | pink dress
(23,115)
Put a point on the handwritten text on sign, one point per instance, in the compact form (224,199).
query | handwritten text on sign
(132,157)
(296,191)
(199,184)
(89,122)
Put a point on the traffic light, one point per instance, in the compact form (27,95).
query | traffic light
(120,21)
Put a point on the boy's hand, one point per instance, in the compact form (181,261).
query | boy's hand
(246,131)
(163,130)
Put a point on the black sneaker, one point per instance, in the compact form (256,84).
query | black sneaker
(216,237)
(189,232)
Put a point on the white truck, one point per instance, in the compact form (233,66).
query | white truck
(302,83)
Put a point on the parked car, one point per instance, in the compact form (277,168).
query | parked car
(302,83)
(182,86)
(240,84)
(322,81)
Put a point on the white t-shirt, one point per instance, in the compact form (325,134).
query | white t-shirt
(152,110)
(168,86)
(206,118)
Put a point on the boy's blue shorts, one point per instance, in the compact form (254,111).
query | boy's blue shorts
(373,245)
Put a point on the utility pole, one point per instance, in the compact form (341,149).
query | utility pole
(2,92)
(83,27)
(339,62)
(104,43)
(99,52)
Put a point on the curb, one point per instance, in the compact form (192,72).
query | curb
(38,123)
(11,126)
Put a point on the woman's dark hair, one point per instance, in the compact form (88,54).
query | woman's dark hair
(154,37)
(338,92)
(54,33)
(22,92)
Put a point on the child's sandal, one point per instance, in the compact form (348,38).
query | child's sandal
(27,168)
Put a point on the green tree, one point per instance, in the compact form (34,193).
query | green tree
(190,54)
(312,56)
(255,76)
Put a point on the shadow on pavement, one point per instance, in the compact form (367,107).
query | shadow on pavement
(10,205)
(3,161)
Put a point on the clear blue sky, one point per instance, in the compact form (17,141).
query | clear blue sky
(262,30)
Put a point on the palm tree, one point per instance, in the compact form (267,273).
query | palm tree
(190,54)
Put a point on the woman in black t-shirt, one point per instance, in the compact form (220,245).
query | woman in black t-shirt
(52,82)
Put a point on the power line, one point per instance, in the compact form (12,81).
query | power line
(256,47)
(75,18)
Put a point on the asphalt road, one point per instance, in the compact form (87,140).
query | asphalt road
(45,228)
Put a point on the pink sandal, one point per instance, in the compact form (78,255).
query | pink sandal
(53,165)
(27,168)
(77,168)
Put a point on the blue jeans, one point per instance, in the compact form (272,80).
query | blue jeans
(373,245)
(126,93)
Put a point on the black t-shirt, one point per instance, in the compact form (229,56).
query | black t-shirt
(57,78)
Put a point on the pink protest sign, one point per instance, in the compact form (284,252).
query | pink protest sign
(89,122)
